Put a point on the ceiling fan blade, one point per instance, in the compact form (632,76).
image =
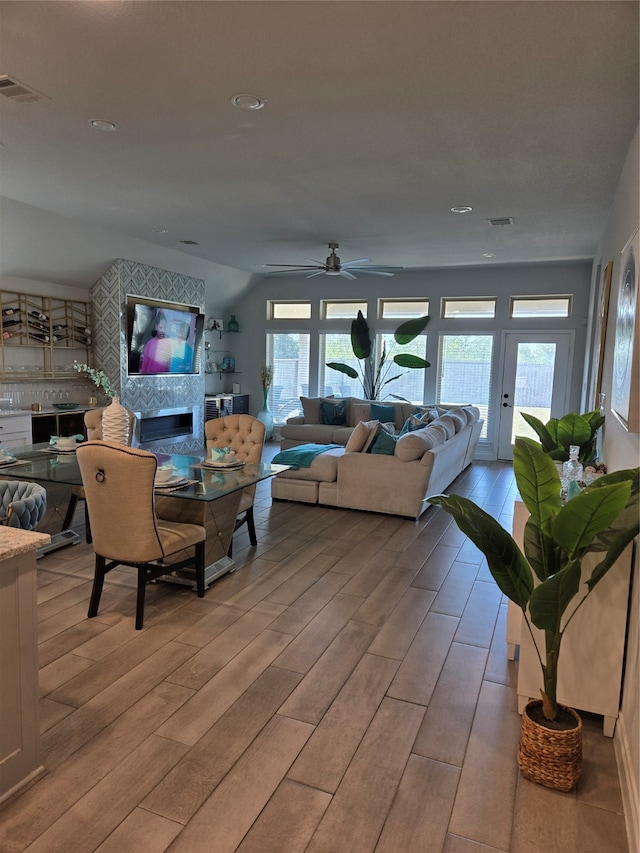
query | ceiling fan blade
(321,263)
(345,274)
(297,266)
(359,261)
(374,272)
(320,272)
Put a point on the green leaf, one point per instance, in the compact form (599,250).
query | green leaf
(406,332)
(405,359)
(550,599)
(506,562)
(343,368)
(360,337)
(588,514)
(548,442)
(537,479)
(573,429)
(544,556)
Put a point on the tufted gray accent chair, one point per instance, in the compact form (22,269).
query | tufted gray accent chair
(22,504)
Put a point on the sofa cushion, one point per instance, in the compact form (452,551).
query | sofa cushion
(334,412)
(311,408)
(413,445)
(458,416)
(448,424)
(323,469)
(310,433)
(472,412)
(362,436)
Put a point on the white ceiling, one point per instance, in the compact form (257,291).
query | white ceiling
(379,117)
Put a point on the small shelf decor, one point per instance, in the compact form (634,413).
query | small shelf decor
(233,325)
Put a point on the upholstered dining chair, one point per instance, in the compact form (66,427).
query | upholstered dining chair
(245,435)
(22,505)
(93,426)
(119,490)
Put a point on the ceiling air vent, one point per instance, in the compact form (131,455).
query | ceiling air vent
(189,242)
(501,220)
(17,91)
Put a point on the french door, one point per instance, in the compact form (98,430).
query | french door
(536,379)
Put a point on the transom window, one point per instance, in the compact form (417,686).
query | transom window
(395,308)
(289,310)
(540,306)
(465,309)
(343,310)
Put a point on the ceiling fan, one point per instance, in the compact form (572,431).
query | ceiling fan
(333,266)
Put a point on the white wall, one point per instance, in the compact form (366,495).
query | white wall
(621,450)
(501,282)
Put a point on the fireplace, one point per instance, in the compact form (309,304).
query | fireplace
(166,425)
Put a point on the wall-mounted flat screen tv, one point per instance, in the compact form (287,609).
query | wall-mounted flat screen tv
(163,337)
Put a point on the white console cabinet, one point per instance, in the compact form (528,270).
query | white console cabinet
(592,652)
(15,430)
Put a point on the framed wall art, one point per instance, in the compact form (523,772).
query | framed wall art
(625,394)
(600,333)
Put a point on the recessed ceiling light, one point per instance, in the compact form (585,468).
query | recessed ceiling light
(461,209)
(160,230)
(488,255)
(248,102)
(103,124)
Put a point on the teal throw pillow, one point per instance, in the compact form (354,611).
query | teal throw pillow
(384,414)
(334,414)
(385,444)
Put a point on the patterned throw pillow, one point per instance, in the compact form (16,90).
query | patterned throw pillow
(333,414)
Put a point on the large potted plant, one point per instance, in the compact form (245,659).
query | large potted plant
(545,582)
(374,371)
(559,434)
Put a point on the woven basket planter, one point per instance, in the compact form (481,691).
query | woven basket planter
(550,757)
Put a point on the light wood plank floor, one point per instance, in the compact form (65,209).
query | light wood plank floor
(347,689)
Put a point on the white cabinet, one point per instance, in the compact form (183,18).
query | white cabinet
(19,710)
(15,431)
(592,652)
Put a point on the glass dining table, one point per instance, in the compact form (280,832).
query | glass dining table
(201,495)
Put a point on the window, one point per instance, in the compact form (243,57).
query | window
(540,306)
(337,347)
(464,372)
(396,308)
(289,355)
(289,310)
(343,310)
(410,385)
(465,309)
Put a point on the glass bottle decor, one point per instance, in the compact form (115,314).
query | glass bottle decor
(233,325)
(572,472)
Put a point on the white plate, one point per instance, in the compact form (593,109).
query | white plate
(209,463)
(55,449)
(171,483)
(10,460)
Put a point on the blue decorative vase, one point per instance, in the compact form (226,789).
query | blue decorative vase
(265,415)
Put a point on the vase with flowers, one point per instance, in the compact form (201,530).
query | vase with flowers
(115,418)
(265,414)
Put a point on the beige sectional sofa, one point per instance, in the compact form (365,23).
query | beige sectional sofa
(424,463)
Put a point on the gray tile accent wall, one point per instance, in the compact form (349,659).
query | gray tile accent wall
(145,393)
